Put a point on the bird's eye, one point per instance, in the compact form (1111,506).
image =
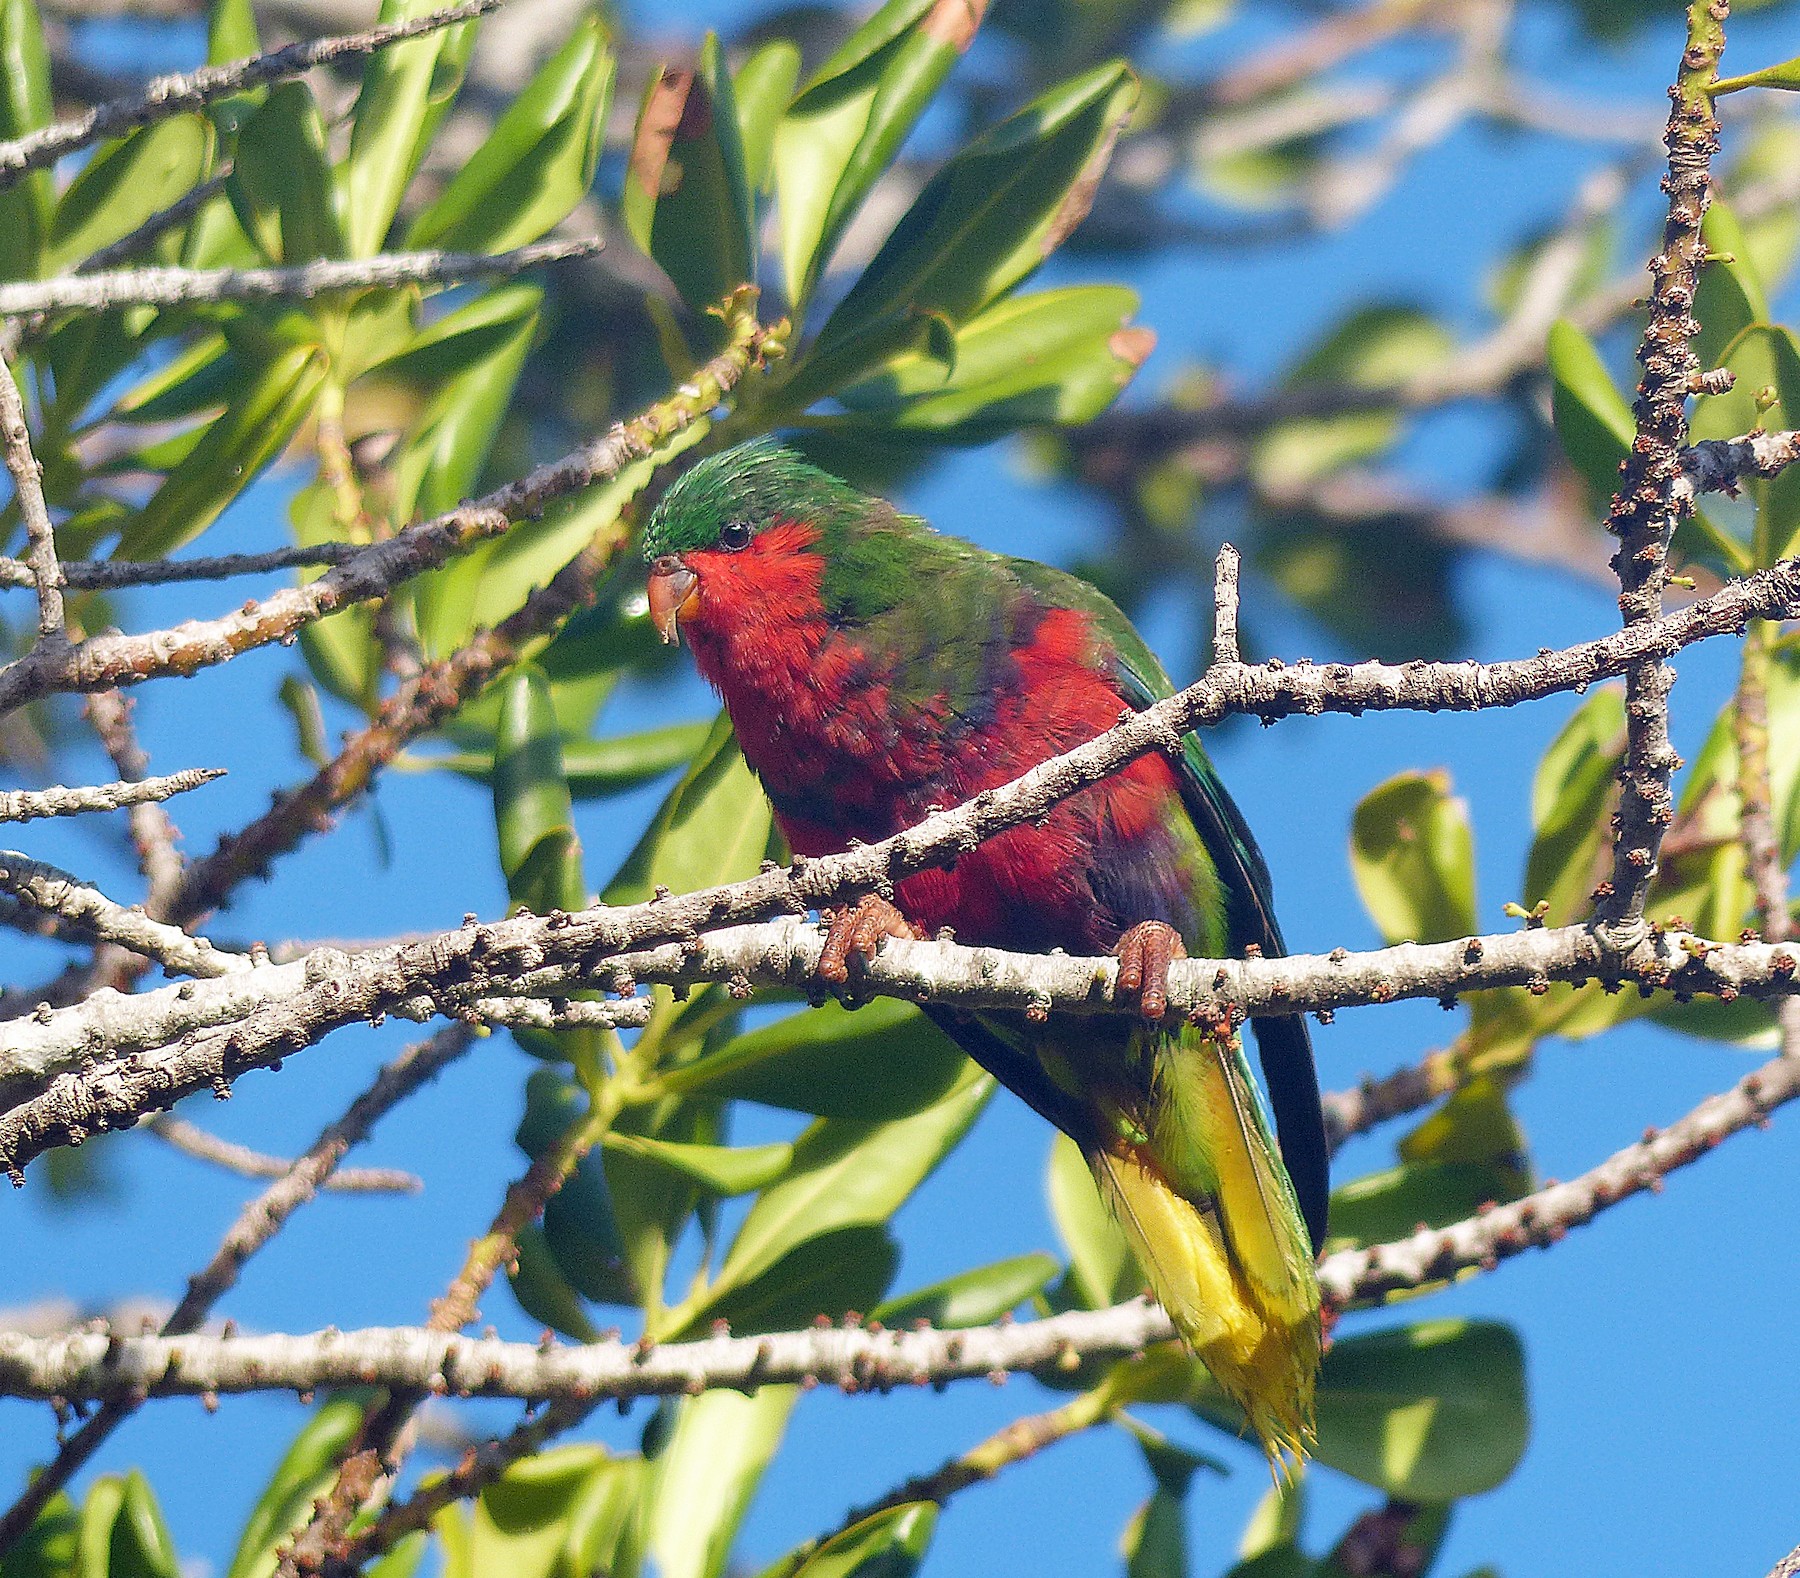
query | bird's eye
(734,535)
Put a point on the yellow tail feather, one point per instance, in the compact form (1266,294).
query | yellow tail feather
(1263,1350)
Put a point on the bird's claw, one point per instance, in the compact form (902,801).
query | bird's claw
(855,932)
(1145,953)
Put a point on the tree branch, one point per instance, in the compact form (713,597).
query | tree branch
(106,574)
(40,534)
(24,805)
(192,1140)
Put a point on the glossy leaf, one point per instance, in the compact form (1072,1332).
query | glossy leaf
(1101,1268)
(406,90)
(848,1174)
(707,1473)
(849,121)
(884,1060)
(544,1289)
(597,768)
(308,1466)
(122,1533)
(762,87)
(24,107)
(538,161)
(1574,784)
(1730,296)
(833,1275)
(687,199)
(1155,1540)
(551,1515)
(713,827)
(1058,357)
(581,1230)
(125,183)
(1414,859)
(983,222)
(1593,420)
(973,1298)
(281,182)
(887,1544)
(1427,1412)
(539,852)
(271,404)
(1274,1529)
(722,1169)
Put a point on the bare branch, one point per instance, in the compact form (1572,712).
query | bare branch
(162,97)
(106,574)
(24,805)
(192,1140)
(152,830)
(40,534)
(1651,502)
(168,287)
(177,213)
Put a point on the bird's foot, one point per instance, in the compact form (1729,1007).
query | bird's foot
(1145,954)
(855,932)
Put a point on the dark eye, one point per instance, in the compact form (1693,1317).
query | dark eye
(734,535)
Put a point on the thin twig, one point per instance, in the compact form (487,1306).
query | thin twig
(108,574)
(152,831)
(1225,606)
(164,96)
(168,287)
(40,534)
(192,1140)
(163,220)
(255,1225)
(23,805)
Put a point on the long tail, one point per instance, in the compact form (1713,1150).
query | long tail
(1214,1224)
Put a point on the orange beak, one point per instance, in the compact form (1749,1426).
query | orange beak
(673,588)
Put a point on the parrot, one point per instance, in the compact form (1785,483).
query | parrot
(874,671)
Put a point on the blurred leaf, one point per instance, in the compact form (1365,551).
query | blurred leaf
(125,183)
(843,1271)
(539,852)
(1570,794)
(1427,1412)
(762,87)
(1398,1540)
(1154,1544)
(1102,1271)
(1730,297)
(270,404)
(48,1548)
(849,121)
(972,1298)
(1375,347)
(406,90)
(1414,859)
(848,1174)
(122,1533)
(538,161)
(552,1515)
(707,1474)
(231,32)
(307,1468)
(581,1232)
(982,223)
(886,1544)
(596,768)
(1270,1545)
(281,181)
(721,1169)
(1058,356)
(544,1290)
(713,827)
(341,650)
(687,199)
(1593,420)
(1766,362)
(884,1060)
(24,107)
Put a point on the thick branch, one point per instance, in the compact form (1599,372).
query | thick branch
(168,287)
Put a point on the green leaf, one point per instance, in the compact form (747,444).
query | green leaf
(1570,794)
(1375,347)
(713,827)
(539,852)
(844,1271)
(309,1465)
(1414,859)
(595,768)
(270,404)
(537,163)
(1155,1540)
(722,1169)
(884,1060)
(281,181)
(886,1544)
(985,221)
(581,1231)
(687,199)
(762,87)
(973,1298)
(1730,297)
(231,32)
(1427,1412)
(707,1473)
(553,1515)
(1593,420)
(848,1174)
(845,127)
(1275,1525)
(1058,357)
(1102,1271)
(122,1533)
(406,90)
(125,183)
(24,107)
(1784,76)
(48,1548)
(544,1290)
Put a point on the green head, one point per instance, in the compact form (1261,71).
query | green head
(726,500)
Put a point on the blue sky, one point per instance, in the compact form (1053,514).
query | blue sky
(1664,1369)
